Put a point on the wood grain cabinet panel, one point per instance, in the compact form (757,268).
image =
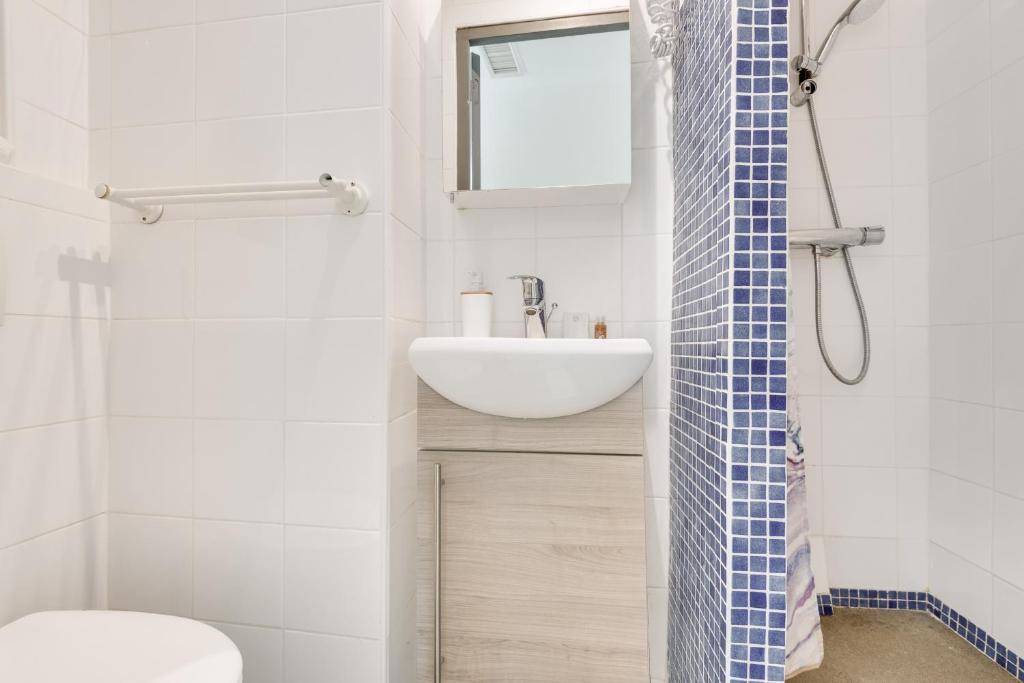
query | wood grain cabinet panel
(542,568)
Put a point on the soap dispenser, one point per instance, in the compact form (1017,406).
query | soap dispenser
(477,307)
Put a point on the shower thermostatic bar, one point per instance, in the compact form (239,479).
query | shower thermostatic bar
(831,240)
(149,201)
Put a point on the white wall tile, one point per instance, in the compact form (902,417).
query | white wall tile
(651,88)
(239,470)
(862,562)
(335,475)
(583,274)
(950,53)
(56,369)
(961,440)
(152,76)
(959,132)
(656,453)
(649,205)
(66,569)
(860,501)
(646,277)
(1008,366)
(1005,131)
(146,552)
(325,360)
(151,466)
(405,85)
(958,371)
(240,150)
(239,369)
(318,658)
(1009,451)
(962,523)
(913,503)
(240,268)
(151,368)
(333,581)
(52,55)
(152,270)
(402,456)
(1008,529)
(219,10)
(135,15)
(262,651)
(68,273)
(963,586)
(132,151)
(347,144)
(406,251)
(238,569)
(657,516)
(913,557)
(912,432)
(51,477)
(346,36)
(845,441)
(590,220)
(657,630)
(240,68)
(505,224)
(335,266)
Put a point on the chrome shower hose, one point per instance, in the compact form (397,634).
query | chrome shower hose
(834,206)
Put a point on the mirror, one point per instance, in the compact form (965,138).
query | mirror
(544,104)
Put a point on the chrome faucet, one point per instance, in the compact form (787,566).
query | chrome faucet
(535,322)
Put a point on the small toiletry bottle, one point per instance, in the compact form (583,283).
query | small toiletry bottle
(477,304)
(600,328)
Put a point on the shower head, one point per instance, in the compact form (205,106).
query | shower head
(858,12)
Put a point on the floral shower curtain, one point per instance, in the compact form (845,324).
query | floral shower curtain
(804,645)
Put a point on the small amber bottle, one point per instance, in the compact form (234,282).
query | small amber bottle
(600,328)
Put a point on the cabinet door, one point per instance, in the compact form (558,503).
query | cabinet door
(542,576)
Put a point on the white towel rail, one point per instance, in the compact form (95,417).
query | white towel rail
(149,201)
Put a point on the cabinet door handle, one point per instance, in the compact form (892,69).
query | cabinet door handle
(437,572)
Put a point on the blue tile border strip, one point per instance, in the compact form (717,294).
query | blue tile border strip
(918,601)
(756,350)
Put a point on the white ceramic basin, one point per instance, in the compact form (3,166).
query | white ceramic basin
(529,377)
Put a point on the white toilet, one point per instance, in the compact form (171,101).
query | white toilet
(115,647)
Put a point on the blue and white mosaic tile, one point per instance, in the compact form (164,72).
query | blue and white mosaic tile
(727,573)
(698,559)
(758,353)
(925,602)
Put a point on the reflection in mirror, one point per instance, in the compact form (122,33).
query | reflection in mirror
(546,103)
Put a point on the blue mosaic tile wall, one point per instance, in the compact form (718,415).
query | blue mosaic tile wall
(758,384)
(727,565)
(924,602)
(702,156)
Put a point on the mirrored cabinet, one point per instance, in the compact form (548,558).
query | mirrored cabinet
(539,110)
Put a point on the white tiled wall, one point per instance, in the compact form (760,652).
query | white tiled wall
(47,106)
(976,70)
(54,246)
(867,446)
(262,422)
(608,260)
(53,432)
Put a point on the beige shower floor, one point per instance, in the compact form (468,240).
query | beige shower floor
(890,646)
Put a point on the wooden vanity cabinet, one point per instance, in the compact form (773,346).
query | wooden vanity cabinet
(542,564)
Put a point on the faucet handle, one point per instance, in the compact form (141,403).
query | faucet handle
(533,289)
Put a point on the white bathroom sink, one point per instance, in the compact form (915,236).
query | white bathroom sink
(531,378)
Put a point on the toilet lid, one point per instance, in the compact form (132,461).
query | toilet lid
(115,647)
